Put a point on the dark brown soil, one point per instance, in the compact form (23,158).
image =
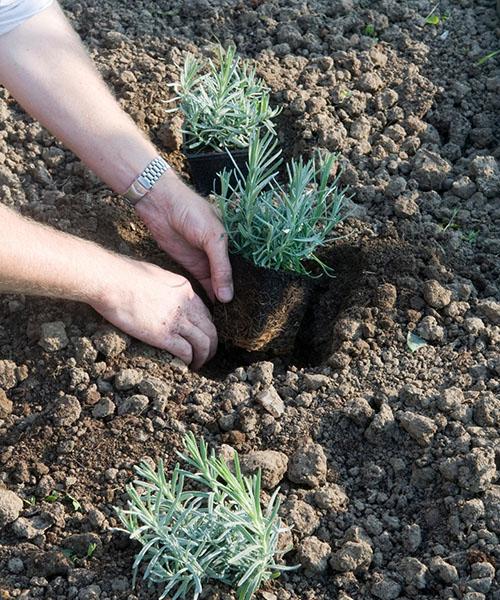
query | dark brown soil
(408,506)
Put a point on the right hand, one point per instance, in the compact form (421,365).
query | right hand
(190,231)
(160,308)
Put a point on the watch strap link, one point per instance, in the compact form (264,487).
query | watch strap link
(146,180)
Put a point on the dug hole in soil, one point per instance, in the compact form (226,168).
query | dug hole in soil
(387,459)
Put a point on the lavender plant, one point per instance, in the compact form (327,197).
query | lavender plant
(218,531)
(280,226)
(223,102)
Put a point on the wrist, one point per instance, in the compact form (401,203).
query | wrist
(163,194)
(105,281)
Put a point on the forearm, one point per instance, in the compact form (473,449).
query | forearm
(38,260)
(46,68)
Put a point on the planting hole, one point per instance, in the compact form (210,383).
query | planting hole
(363,266)
(315,338)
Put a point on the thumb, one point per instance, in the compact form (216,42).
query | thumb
(220,267)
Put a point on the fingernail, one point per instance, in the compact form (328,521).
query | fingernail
(225,294)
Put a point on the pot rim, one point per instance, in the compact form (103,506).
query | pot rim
(291,275)
(212,154)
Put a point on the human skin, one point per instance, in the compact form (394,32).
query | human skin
(46,68)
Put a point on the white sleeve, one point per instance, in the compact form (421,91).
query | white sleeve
(15,12)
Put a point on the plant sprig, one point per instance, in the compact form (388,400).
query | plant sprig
(280,226)
(217,531)
(488,57)
(223,102)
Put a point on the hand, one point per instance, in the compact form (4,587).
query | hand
(188,228)
(159,308)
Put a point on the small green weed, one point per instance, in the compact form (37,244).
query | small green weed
(75,504)
(471,236)
(451,224)
(434,18)
(52,497)
(369,30)
(344,94)
(487,57)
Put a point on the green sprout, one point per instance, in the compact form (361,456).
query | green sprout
(217,531)
(76,505)
(280,226)
(91,549)
(369,30)
(223,102)
(344,94)
(488,57)
(52,497)
(434,18)
(471,236)
(451,222)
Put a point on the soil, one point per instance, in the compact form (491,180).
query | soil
(392,488)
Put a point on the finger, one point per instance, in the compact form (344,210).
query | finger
(180,347)
(197,312)
(204,322)
(220,267)
(199,340)
(206,284)
(196,262)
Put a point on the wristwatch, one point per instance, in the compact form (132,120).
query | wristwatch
(146,180)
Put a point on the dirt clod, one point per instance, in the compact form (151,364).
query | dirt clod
(110,342)
(307,465)
(126,379)
(53,336)
(133,405)
(5,405)
(436,295)
(271,401)
(313,555)
(8,377)
(66,410)
(272,464)
(10,507)
(352,556)
(420,428)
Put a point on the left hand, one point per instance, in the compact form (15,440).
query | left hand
(188,228)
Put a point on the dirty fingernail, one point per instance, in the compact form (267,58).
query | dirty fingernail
(225,294)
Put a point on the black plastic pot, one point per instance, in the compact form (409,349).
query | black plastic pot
(204,167)
(267,310)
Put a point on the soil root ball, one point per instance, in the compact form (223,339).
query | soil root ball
(267,309)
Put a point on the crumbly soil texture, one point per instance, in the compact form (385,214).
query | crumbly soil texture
(382,428)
